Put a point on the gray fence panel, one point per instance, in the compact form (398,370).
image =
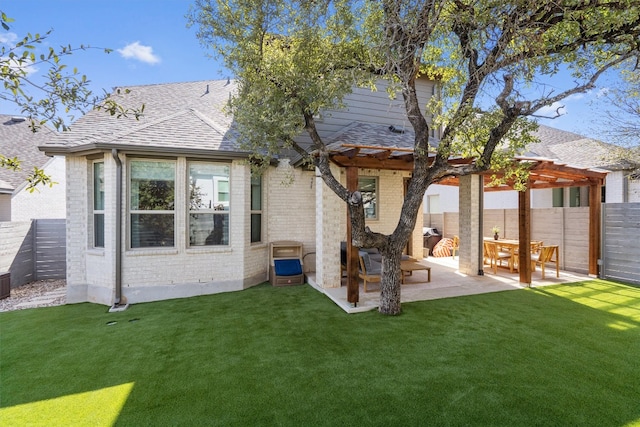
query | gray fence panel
(22,266)
(33,250)
(50,249)
(621,242)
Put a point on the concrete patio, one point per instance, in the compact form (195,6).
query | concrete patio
(446,282)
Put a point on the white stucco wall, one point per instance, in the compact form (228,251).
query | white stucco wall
(44,202)
(634,191)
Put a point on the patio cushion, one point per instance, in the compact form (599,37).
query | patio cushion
(287,267)
(372,267)
(443,248)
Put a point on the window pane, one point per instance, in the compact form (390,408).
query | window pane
(152,185)
(574,197)
(208,229)
(367,187)
(256,193)
(150,230)
(98,230)
(98,186)
(256,228)
(209,186)
(558,197)
(223,191)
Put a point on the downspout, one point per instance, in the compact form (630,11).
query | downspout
(116,303)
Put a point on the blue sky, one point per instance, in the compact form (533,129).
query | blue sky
(151,44)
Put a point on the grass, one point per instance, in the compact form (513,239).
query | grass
(560,355)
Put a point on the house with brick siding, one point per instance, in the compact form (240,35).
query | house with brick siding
(17,202)
(167,206)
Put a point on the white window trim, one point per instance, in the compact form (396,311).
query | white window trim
(174,212)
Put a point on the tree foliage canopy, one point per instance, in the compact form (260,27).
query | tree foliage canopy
(493,60)
(53,98)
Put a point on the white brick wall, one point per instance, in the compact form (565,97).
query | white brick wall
(469,224)
(291,209)
(76,229)
(153,274)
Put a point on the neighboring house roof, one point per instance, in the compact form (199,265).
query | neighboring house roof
(573,149)
(18,140)
(178,117)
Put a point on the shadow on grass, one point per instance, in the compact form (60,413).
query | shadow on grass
(288,356)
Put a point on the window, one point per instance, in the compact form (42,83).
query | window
(256,208)
(152,203)
(574,197)
(433,204)
(98,205)
(558,197)
(368,187)
(209,196)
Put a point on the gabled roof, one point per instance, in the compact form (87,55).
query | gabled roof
(185,118)
(18,140)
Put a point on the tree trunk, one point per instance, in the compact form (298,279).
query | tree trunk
(390,283)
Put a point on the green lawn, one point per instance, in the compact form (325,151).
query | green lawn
(566,355)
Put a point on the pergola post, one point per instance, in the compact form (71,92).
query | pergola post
(353,286)
(595,228)
(524,235)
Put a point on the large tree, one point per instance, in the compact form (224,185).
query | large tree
(295,58)
(51,98)
(622,118)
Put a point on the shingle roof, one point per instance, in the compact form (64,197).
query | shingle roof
(571,148)
(383,136)
(185,116)
(18,140)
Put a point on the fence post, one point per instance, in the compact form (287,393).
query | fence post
(34,250)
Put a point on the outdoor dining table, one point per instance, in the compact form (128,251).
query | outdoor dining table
(512,246)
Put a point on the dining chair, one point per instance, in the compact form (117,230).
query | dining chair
(546,256)
(496,257)
(456,246)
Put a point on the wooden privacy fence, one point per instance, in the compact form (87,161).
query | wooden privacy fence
(621,242)
(33,250)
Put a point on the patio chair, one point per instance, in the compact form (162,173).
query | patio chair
(456,246)
(495,256)
(546,256)
(370,270)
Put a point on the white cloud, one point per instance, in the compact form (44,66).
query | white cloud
(25,65)
(8,38)
(603,92)
(552,110)
(140,52)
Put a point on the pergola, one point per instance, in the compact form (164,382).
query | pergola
(543,173)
